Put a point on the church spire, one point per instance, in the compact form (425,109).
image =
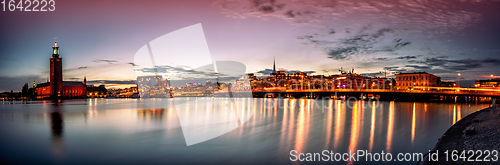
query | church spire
(274,66)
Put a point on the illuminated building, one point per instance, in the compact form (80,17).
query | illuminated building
(57,88)
(281,80)
(153,87)
(446,83)
(410,80)
(491,83)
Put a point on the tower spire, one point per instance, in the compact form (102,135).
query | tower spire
(55,49)
(274,65)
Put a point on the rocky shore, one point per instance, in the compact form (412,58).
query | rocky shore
(477,135)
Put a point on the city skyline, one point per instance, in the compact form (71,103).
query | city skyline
(318,37)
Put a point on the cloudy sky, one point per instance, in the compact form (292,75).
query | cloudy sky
(98,39)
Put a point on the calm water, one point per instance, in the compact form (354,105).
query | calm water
(125,131)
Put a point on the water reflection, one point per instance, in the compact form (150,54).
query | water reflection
(151,114)
(56,123)
(413,124)
(302,125)
(339,124)
(454,114)
(123,131)
(284,121)
(92,109)
(329,122)
(372,126)
(291,122)
(353,142)
(390,126)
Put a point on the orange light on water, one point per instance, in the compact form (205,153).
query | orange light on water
(413,125)
(390,126)
(353,141)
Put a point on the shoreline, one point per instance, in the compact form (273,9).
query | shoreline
(476,131)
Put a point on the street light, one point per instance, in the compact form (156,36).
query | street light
(458,79)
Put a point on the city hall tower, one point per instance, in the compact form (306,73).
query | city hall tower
(56,79)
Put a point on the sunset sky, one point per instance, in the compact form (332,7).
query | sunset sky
(98,38)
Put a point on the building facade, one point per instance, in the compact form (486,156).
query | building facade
(56,81)
(420,79)
(281,80)
(56,87)
(154,86)
(491,83)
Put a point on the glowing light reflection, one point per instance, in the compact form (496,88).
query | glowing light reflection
(413,124)
(390,127)
(372,126)
(353,141)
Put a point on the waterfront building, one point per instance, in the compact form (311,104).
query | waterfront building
(446,83)
(280,80)
(153,86)
(123,93)
(254,81)
(56,87)
(491,83)
(420,79)
(97,91)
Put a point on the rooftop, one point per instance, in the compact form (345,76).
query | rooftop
(72,83)
(416,73)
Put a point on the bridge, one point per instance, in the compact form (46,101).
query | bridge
(427,94)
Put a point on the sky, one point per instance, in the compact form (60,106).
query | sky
(99,38)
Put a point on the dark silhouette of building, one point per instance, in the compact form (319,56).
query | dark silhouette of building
(57,88)
(274,67)
(489,84)
(24,91)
